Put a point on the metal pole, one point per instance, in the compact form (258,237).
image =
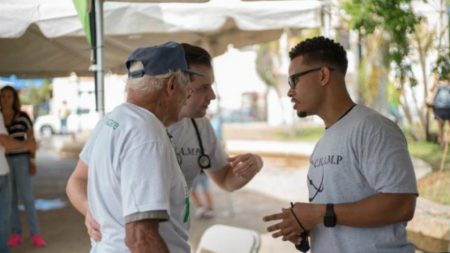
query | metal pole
(325,16)
(448,28)
(100,59)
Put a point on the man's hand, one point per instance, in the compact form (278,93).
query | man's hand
(288,227)
(246,165)
(93,228)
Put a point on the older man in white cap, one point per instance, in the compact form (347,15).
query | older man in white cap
(136,190)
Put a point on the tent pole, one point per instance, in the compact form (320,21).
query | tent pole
(100,59)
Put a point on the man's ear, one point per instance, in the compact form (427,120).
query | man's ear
(169,86)
(325,76)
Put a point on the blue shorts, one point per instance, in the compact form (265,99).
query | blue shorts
(442,113)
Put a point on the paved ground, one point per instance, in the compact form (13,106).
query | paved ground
(282,180)
(64,229)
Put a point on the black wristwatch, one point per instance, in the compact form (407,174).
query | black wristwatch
(329,220)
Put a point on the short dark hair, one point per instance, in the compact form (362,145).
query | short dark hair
(196,55)
(321,50)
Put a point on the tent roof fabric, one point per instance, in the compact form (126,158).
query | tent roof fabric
(44,38)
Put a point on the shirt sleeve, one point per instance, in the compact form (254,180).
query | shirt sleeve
(386,163)
(86,152)
(146,178)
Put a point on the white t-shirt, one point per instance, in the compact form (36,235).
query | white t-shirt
(187,147)
(360,155)
(132,170)
(4,168)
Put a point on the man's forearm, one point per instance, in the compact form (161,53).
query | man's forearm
(143,237)
(227,180)
(375,211)
(378,210)
(235,182)
(231,178)
(76,190)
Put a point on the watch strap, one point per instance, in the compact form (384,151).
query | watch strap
(329,220)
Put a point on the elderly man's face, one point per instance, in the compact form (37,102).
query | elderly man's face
(181,92)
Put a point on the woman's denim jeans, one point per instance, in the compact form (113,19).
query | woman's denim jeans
(5,211)
(22,189)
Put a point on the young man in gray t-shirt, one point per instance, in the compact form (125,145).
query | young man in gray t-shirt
(361,182)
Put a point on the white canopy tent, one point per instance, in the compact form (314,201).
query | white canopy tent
(45,38)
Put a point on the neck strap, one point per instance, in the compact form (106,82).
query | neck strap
(199,138)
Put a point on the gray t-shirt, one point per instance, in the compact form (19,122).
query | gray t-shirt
(360,155)
(187,147)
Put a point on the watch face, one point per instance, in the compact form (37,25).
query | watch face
(329,221)
(204,162)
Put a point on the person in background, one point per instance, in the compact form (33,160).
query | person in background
(64,113)
(5,182)
(20,127)
(394,103)
(361,182)
(202,197)
(439,101)
(5,192)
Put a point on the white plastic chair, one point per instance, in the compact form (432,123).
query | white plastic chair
(227,239)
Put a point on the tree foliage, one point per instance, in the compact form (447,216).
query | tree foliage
(37,97)
(442,67)
(265,63)
(396,18)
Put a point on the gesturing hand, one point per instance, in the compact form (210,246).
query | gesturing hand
(246,165)
(288,227)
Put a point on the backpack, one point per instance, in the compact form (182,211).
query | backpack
(442,98)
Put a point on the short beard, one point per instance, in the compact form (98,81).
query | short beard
(302,114)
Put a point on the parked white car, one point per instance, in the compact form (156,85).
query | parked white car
(47,125)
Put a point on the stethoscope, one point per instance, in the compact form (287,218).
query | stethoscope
(203,160)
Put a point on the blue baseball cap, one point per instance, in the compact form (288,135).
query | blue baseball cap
(158,60)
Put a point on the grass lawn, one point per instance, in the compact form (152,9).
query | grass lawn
(435,185)
(430,152)
(310,134)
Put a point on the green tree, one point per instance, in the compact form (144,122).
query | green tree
(36,96)
(392,22)
(269,59)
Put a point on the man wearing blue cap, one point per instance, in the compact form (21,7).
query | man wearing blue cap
(136,190)
(194,141)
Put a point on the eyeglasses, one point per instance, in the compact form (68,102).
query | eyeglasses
(292,80)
